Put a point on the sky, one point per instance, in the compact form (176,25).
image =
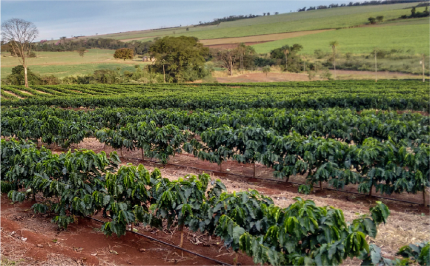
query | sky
(55,19)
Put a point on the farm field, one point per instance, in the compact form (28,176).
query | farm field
(62,64)
(124,154)
(362,40)
(288,22)
(255,39)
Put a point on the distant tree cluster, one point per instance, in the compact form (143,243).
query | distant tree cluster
(287,57)
(179,58)
(373,20)
(123,53)
(217,21)
(415,14)
(242,57)
(65,44)
(365,3)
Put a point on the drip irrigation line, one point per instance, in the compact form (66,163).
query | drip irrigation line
(168,244)
(273,180)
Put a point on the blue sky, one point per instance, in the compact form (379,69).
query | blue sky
(71,18)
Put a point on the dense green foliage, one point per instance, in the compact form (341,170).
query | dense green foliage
(180,58)
(123,53)
(65,44)
(395,95)
(385,150)
(81,183)
(320,130)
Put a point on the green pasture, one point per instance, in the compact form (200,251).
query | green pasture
(288,22)
(62,64)
(413,38)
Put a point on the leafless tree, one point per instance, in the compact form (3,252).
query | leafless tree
(20,35)
(228,58)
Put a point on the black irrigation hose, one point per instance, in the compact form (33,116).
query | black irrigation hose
(168,244)
(273,180)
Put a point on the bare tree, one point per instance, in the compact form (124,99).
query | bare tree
(20,35)
(228,58)
(333,45)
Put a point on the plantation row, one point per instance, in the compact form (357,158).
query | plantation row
(341,124)
(82,183)
(389,166)
(363,95)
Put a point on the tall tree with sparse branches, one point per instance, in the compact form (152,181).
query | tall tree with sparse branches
(334,45)
(20,35)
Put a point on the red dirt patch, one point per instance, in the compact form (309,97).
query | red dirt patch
(83,243)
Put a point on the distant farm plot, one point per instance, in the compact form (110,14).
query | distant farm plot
(259,38)
(289,22)
(407,36)
(61,64)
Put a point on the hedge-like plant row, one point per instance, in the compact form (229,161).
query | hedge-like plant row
(83,183)
(391,150)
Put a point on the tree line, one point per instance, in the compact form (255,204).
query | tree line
(217,21)
(64,45)
(365,3)
(415,14)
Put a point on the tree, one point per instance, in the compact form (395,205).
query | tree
(246,55)
(19,34)
(289,54)
(413,11)
(333,45)
(184,57)
(82,51)
(372,20)
(124,53)
(228,58)
(380,18)
(18,77)
(266,70)
(241,51)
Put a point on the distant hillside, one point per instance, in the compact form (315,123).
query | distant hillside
(313,29)
(332,18)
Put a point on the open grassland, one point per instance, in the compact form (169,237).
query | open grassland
(289,22)
(63,64)
(362,40)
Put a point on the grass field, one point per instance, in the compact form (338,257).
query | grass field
(289,22)
(409,35)
(63,64)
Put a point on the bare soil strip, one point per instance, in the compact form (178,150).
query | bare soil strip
(260,38)
(26,92)
(13,94)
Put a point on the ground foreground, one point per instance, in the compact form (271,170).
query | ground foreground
(30,239)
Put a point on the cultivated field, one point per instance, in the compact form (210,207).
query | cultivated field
(63,64)
(407,35)
(288,22)
(345,144)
